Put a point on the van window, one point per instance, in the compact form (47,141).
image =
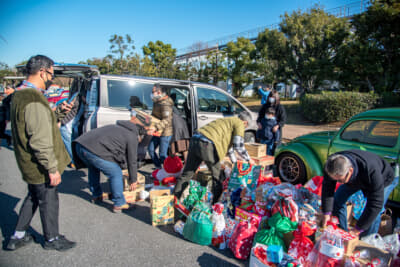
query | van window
(381,133)
(210,100)
(124,94)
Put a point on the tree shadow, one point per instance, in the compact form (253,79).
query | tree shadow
(208,260)
(9,219)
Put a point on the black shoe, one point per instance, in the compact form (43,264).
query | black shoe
(16,243)
(60,243)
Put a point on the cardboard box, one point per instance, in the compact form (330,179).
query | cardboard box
(145,118)
(161,207)
(141,179)
(243,215)
(374,253)
(264,160)
(133,196)
(256,150)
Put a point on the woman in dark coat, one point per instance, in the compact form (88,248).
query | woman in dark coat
(280,113)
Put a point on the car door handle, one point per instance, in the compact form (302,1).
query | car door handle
(203,117)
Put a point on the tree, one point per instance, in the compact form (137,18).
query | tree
(240,67)
(270,48)
(5,71)
(217,65)
(104,64)
(162,56)
(371,60)
(122,48)
(311,45)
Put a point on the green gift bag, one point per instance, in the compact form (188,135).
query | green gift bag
(274,236)
(196,193)
(198,227)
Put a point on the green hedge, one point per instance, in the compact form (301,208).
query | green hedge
(336,106)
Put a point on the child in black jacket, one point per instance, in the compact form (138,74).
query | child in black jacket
(266,134)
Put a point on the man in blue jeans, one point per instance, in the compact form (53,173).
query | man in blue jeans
(357,170)
(109,149)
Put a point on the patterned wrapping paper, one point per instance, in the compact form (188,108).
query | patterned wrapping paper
(242,239)
(301,245)
(162,210)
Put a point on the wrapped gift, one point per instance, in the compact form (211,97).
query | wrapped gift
(258,256)
(243,215)
(301,245)
(218,221)
(198,227)
(242,239)
(275,253)
(278,226)
(244,175)
(196,193)
(230,225)
(286,207)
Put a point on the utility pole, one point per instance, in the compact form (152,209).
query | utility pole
(216,66)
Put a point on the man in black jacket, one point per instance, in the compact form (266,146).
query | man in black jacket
(110,149)
(357,170)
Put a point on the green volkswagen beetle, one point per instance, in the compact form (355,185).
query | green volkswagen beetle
(374,130)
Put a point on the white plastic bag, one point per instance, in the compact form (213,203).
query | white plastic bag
(392,243)
(374,240)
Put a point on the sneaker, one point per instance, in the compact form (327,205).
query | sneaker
(60,243)
(119,209)
(16,243)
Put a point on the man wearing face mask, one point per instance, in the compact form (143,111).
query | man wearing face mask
(210,144)
(280,114)
(162,110)
(40,154)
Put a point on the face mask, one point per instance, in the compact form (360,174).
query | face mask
(271,100)
(155,97)
(47,84)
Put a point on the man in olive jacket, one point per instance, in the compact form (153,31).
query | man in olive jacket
(210,144)
(357,170)
(40,153)
(162,110)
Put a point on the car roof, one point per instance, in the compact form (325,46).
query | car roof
(162,80)
(380,112)
(69,69)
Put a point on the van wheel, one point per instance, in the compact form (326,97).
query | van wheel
(249,137)
(291,168)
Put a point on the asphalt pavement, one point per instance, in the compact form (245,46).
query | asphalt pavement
(103,238)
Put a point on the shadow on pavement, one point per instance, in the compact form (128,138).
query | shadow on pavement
(211,260)
(9,219)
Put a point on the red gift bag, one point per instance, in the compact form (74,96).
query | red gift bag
(287,207)
(242,239)
(301,245)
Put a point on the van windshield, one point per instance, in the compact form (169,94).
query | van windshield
(125,94)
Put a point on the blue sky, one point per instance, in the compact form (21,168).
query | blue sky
(75,30)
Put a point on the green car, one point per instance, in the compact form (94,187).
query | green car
(375,130)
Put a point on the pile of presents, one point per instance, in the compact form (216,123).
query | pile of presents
(270,223)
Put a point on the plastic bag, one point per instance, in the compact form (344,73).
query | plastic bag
(218,221)
(286,207)
(374,240)
(301,245)
(198,227)
(327,252)
(242,239)
(278,226)
(196,193)
(392,243)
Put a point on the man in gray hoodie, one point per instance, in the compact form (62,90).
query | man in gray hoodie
(109,149)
